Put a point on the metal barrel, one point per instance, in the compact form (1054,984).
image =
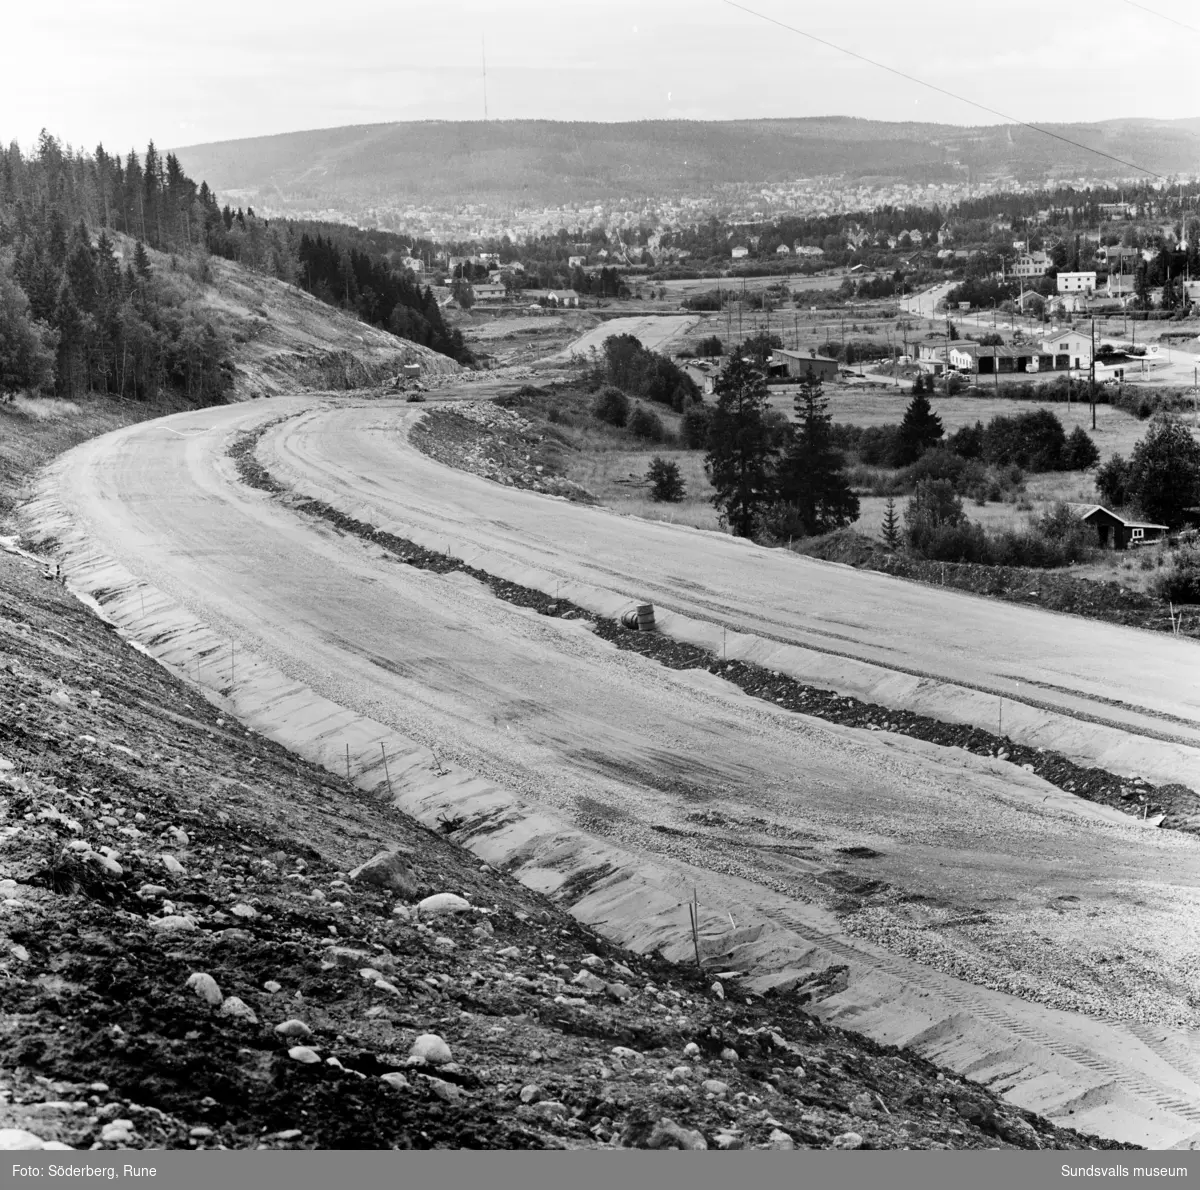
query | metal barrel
(645,617)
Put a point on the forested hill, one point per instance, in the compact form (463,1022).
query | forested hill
(87,303)
(531,163)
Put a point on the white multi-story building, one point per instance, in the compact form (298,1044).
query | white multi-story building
(1076,282)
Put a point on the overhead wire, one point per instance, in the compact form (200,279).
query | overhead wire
(944,91)
(1162,16)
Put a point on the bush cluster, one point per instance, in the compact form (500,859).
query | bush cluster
(937,529)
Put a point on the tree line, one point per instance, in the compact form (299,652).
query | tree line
(82,309)
(77,312)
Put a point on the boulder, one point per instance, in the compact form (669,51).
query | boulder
(441,903)
(205,987)
(387,869)
(431,1048)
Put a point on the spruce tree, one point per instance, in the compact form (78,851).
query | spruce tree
(891,525)
(739,458)
(812,478)
(920,429)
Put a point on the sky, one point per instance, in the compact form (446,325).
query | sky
(125,71)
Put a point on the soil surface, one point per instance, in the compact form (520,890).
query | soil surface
(148,838)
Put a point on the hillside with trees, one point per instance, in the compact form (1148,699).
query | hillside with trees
(106,269)
(532,163)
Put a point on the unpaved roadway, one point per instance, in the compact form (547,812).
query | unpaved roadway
(655,331)
(976,877)
(1142,683)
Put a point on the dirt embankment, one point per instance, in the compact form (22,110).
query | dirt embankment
(148,839)
(286,340)
(1048,589)
(498,444)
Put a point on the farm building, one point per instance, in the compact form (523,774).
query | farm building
(1114,531)
(798,364)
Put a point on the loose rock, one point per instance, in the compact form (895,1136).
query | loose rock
(293,1028)
(432,1048)
(441,903)
(387,869)
(239,1010)
(302,1053)
(205,987)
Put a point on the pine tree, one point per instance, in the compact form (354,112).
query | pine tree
(920,429)
(141,261)
(812,478)
(891,525)
(738,462)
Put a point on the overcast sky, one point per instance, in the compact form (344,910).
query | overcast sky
(123,71)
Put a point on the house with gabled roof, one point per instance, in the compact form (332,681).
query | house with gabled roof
(1116,531)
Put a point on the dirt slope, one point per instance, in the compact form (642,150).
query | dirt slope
(287,341)
(108,765)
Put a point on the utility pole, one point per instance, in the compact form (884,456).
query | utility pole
(1092,384)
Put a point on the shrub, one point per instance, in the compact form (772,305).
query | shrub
(694,427)
(645,423)
(612,406)
(960,473)
(968,441)
(966,542)
(1035,441)
(1181,583)
(1080,452)
(1112,481)
(933,505)
(878,446)
(666,485)
(710,346)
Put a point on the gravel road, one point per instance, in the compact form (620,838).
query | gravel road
(928,851)
(653,330)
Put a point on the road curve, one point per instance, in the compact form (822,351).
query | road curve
(676,766)
(1138,682)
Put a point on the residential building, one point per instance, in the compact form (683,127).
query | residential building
(576,262)
(704,375)
(740,253)
(1069,349)
(807,250)
(488,291)
(1077,282)
(1029,264)
(783,250)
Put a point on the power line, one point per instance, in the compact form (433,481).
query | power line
(942,90)
(1162,16)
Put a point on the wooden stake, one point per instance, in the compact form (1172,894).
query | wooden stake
(383,753)
(693,908)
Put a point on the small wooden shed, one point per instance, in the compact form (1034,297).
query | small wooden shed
(1114,531)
